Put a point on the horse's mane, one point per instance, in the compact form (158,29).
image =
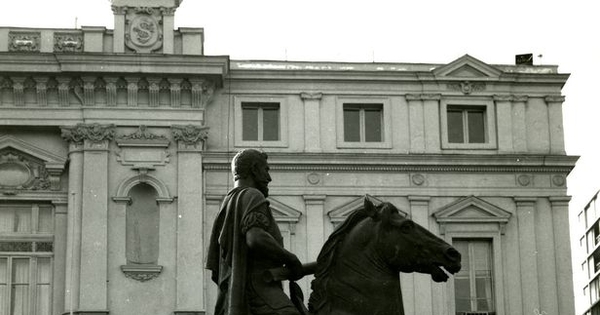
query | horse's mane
(326,258)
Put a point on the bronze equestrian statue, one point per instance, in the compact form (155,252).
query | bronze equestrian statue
(357,270)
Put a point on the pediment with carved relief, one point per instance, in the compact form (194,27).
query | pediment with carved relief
(24,166)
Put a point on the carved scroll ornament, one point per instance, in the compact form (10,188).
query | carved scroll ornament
(92,132)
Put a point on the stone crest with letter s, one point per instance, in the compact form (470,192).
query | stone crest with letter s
(143,32)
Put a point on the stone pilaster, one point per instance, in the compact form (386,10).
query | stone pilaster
(416,123)
(312,121)
(111,91)
(18,90)
(168,25)
(119,29)
(153,92)
(63,91)
(504,118)
(60,255)
(132,91)
(175,87)
(562,247)
(73,249)
(93,290)
(89,87)
(190,211)
(519,125)
(315,225)
(528,253)
(419,209)
(431,106)
(555,122)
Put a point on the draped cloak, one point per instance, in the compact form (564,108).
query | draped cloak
(228,253)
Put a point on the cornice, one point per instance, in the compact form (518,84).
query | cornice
(405,163)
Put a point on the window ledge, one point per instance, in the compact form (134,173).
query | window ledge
(141,273)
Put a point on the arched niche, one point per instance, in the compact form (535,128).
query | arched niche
(142,198)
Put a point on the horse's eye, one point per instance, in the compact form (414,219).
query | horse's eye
(407,226)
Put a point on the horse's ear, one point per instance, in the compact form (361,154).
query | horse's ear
(370,208)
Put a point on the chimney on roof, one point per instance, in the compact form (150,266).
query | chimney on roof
(524,60)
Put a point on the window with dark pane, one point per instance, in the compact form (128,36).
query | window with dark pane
(260,121)
(466,124)
(363,122)
(473,285)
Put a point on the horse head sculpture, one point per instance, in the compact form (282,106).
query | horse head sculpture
(358,268)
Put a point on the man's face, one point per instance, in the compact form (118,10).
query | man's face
(262,177)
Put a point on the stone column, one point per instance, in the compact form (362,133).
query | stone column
(73,249)
(312,121)
(555,122)
(119,30)
(528,253)
(315,225)
(419,209)
(562,247)
(431,119)
(519,126)
(93,290)
(60,255)
(504,119)
(416,123)
(190,256)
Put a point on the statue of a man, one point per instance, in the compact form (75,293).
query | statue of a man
(245,242)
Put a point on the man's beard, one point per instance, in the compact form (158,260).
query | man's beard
(264,189)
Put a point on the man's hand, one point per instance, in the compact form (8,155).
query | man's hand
(295,267)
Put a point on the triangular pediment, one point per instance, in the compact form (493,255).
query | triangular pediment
(340,213)
(471,209)
(467,67)
(50,159)
(284,213)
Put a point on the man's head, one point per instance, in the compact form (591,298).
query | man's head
(251,166)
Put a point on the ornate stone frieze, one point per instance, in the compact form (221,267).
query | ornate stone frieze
(68,42)
(24,41)
(92,132)
(143,32)
(467,87)
(143,134)
(143,149)
(19,171)
(190,135)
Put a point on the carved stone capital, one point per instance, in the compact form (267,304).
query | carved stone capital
(554,99)
(119,10)
(93,132)
(311,96)
(431,97)
(503,98)
(18,90)
(520,98)
(413,97)
(202,92)
(190,136)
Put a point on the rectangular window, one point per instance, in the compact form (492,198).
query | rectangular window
(363,122)
(466,124)
(474,284)
(260,121)
(26,246)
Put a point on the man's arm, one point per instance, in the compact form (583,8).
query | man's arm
(260,241)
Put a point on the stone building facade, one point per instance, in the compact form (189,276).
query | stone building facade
(115,148)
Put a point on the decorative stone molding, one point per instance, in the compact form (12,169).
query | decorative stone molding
(19,172)
(520,98)
(68,42)
(431,97)
(418,179)
(18,90)
(141,273)
(63,90)
(143,149)
(503,97)
(313,178)
(466,87)
(524,179)
(558,180)
(202,92)
(175,88)
(111,90)
(24,41)
(471,210)
(190,136)
(154,92)
(89,88)
(41,88)
(95,133)
(413,97)
(132,90)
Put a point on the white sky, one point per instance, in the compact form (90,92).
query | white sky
(565,32)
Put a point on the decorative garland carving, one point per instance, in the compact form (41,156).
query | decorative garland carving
(141,273)
(24,42)
(189,134)
(467,87)
(68,42)
(143,134)
(94,132)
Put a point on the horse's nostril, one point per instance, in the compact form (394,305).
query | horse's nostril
(453,254)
